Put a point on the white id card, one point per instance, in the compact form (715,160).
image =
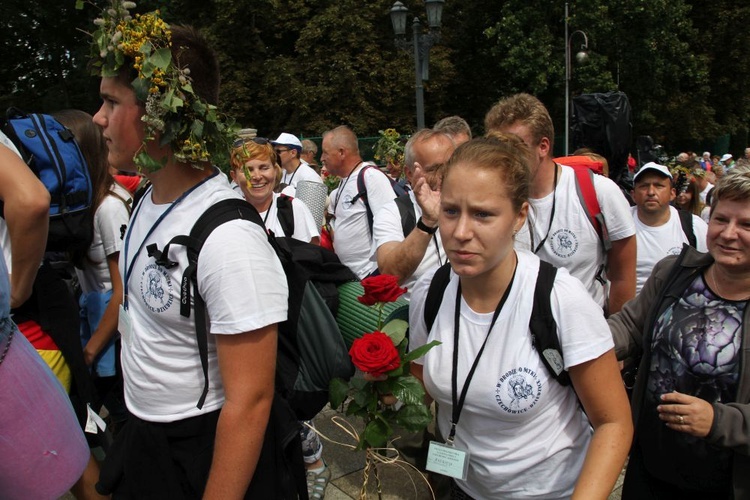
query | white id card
(125,325)
(448,460)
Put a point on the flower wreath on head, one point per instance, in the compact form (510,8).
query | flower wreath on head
(389,147)
(193,128)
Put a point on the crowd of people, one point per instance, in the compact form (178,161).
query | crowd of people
(658,287)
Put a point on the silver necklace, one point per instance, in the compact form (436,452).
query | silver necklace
(712,270)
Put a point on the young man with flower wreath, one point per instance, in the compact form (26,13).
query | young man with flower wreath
(188,438)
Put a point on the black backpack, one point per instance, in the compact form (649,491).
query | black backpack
(542,324)
(311,349)
(52,153)
(398,190)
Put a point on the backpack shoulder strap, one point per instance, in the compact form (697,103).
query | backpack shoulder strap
(213,217)
(407,213)
(362,193)
(435,294)
(587,196)
(686,221)
(285,214)
(543,326)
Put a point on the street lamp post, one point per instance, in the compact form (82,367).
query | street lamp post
(581,56)
(420,45)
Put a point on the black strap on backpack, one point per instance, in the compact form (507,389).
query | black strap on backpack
(407,213)
(398,191)
(686,221)
(542,324)
(285,214)
(216,215)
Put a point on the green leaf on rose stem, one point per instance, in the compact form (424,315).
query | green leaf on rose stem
(409,390)
(396,330)
(397,372)
(414,417)
(366,396)
(354,409)
(338,390)
(419,351)
(376,434)
(358,383)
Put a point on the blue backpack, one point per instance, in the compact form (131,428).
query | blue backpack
(51,151)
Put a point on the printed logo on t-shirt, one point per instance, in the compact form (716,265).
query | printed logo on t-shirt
(564,243)
(518,390)
(156,288)
(674,251)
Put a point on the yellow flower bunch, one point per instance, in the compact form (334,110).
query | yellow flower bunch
(390,147)
(174,114)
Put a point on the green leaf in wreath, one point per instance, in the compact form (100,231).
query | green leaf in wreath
(419,351)
(396,330)
(161,58)
(338,389)
(414,417)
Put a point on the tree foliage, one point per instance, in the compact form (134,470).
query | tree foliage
(307,65)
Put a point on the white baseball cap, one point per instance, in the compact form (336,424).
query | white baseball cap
(726,157)
(655,167)
(286,139)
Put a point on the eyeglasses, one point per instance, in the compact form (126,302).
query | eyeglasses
(262,141)
(279,150)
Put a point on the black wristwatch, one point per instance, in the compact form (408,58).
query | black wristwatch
(423,227)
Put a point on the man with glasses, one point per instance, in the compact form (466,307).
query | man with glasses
(288,149)
(410,252)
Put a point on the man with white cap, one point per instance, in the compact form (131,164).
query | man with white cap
(660,228)
(288,149)
(728,161)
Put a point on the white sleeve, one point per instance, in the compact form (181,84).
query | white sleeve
(584,334)
(700,229)
(615,208)
(241,279)
(110,217)
(305,228)
(386,225)
(379,190)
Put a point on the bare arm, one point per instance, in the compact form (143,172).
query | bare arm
(26,213)
(599,387)
(402,258)
(108,325)
(247,363)
(621,272)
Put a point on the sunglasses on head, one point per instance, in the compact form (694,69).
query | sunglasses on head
(262,141)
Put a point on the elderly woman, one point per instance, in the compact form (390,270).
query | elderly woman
(688,327)
(255,168)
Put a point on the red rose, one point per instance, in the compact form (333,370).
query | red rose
(380,288)
(374,353)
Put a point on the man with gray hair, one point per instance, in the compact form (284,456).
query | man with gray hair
(404,230)
(456,127)
(351,234)
(309,154)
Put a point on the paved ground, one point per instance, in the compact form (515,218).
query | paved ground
(399,482)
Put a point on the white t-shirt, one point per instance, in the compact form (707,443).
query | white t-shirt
(655,243)
(387,228)
(4,234)
(351,231)
(572,242)
(303,173)
(305,228)
(704,193)
(239,277)
(109,219)
(526,433)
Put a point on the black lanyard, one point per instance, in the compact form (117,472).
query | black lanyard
(551,217)
(458,404)
(131,224)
